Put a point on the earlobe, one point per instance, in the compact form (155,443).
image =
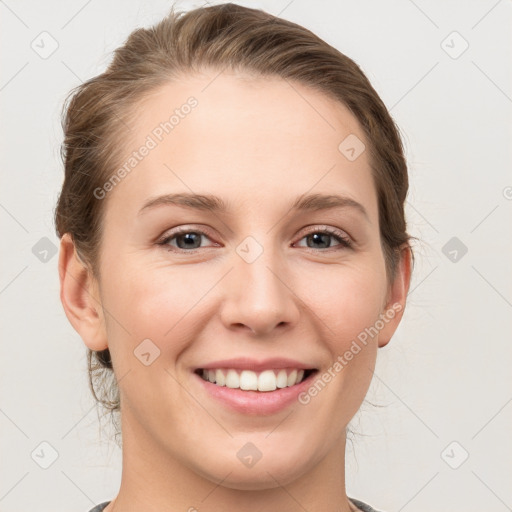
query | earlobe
(79,296)
(397,296)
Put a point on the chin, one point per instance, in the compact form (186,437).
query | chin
(265,478)
(267,473)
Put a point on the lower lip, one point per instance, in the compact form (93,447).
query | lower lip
(256,402)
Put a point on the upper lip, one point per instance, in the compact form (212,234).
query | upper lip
(246,363)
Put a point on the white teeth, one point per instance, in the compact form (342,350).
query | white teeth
(219,378)
(282,379)
(248,381)
(232,379)
(292,378)
(267,380)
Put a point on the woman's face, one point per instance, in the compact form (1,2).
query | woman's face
(248,284)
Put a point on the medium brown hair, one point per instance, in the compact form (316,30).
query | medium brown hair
(226,36)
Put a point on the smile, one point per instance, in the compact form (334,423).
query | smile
(254,393)
(247,380)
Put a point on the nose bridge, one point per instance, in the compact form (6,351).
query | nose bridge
(258,263)
(260,299)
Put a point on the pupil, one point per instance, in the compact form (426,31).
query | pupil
(317,236)
(189,240)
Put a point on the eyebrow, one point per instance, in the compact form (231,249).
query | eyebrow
(215,204)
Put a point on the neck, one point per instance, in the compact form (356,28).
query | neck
(153,480)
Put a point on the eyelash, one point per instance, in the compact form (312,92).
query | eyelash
(344,242)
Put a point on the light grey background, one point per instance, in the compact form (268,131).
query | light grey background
(445,377)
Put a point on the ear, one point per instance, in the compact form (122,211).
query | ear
(80,298)
(397,297)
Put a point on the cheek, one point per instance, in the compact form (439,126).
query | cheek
(151,324)
(346,300)
(162,304)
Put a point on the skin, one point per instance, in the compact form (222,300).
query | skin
(258,144)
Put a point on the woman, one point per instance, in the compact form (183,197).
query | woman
(233,253)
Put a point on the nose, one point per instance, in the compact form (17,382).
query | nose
(259,295)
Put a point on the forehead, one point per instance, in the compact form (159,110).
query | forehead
(243,136)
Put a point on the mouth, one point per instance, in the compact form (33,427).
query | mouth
(247,380)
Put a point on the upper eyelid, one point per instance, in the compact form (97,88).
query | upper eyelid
(180,231)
